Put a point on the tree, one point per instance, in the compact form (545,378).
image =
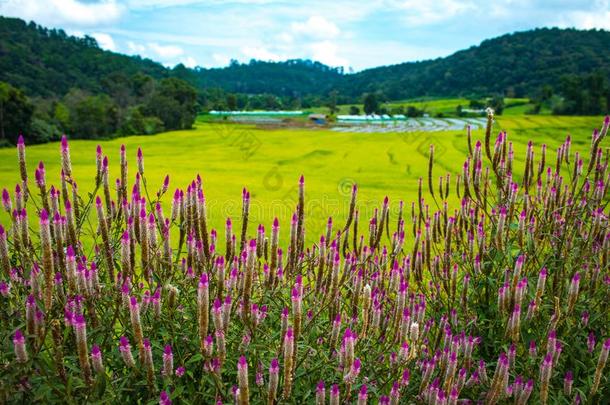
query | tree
(413,111)
(458,110)
(496,103)
(174,102)
(371,104)
(476,104)
(142,85)
(231,102)
(15,113)
(91,116)
(584,94)
(137,123)
(353,110)
(332,102)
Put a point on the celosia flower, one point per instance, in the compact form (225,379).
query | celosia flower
(21,354)
(274,370)
(164,398)
(168,361)
(125,349)
(568,380)
(180,371)
(259,379)
(96,359)
(80,327)
(65,157)
(334,395)
(545,376)
(573,292)
(320,393)
(288,362)
(242,379)
(6,201)
(601,363)
(5,289)
(584,318)
(353,372)
(362,395)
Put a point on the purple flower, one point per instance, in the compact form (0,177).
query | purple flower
(180,371)
(168,361)
(19,345)
(164,398)
(96,359)
(5,288)
(362,394)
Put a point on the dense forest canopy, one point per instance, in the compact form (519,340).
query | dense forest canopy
(516,65)
(48,62)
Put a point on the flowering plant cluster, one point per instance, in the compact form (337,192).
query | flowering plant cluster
(500,299)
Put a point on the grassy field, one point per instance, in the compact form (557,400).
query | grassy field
(445,106)
(269,162)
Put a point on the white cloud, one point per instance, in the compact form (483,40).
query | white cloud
(316,27)
(165,51)
(57,12)
(220,60)
(189,62)
(105,41)
(173,3)
(326,52)
(597,17)
(285,38)
(134,48)
(75,33)
(170,55)
(418,13)
(260,53)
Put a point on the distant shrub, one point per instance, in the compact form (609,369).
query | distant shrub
(42,131)
(413,111)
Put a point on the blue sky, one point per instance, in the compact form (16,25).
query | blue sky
(352,34)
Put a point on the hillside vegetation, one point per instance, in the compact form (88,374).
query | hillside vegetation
(45,62)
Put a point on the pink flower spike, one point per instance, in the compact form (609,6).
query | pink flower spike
(274,367)
(362,395)
(242,363)
(320,387)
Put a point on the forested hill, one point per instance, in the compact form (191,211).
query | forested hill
(514,64)
(45,62)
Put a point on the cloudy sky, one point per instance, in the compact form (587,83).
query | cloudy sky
(354,34)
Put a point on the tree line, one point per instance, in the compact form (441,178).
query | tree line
(129,105)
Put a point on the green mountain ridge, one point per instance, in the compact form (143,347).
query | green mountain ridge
(47,63)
